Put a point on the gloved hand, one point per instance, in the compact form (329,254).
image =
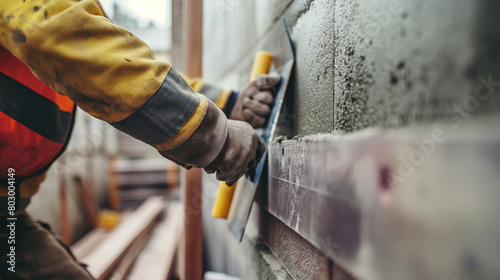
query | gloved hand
(229,148)
(255,101)
(242,151)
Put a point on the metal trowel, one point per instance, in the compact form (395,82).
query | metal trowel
(234,203)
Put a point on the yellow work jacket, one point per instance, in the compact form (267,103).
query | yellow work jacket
(106,70)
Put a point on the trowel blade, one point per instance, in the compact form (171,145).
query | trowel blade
(280,45)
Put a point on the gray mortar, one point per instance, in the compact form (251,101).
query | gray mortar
(400,64)
(311,25)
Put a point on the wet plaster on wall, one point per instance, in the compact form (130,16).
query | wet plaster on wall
(312,30)
(410,63)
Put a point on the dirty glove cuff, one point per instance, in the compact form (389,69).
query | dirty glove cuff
(230,103)
(206,142)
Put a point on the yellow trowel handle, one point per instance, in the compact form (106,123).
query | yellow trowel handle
(222,205)
(223,200)
(261,64)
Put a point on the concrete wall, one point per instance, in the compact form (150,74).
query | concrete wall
(366,63)
(406,63)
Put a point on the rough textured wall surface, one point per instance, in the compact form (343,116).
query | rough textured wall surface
(366,63)
(311,26)
(406,63)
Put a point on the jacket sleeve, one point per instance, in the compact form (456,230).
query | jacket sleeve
(105,69)
(217,95)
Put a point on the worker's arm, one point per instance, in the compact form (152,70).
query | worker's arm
(251,104)
(111,74)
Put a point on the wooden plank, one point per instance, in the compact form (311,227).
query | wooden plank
(139,165)
(113,190)
(142,179)
(85,192)
(156,261)
(172,174)
(64,211)
(106,256)
(192,262)
(125,263)
(180,258)
(91,240)
(194,37)
(193,229)
(381,203)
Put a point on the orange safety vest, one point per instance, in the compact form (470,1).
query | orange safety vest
(35,121)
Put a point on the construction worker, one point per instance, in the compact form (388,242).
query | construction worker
(84,59)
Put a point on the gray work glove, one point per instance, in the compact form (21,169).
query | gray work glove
(242,152)
(255,101)
(230,148)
